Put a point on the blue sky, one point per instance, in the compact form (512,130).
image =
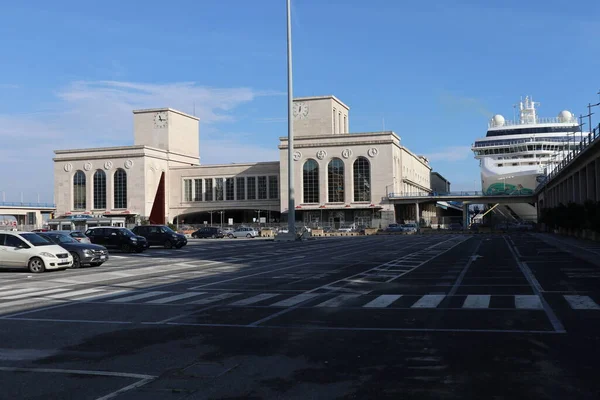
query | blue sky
(435,71)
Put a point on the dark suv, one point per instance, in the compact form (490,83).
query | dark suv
(208,232)
(161,235)
(113,237)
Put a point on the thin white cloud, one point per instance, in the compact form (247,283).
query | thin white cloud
(450,154)
(99,113)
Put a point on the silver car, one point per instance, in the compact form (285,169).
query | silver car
(243,232)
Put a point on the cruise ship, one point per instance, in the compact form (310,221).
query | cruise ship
(516,155)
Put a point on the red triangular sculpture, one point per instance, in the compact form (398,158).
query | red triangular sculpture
(157,215)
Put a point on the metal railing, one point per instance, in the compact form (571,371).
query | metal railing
(538,120)
(434,194)
(22,204)
(587,141)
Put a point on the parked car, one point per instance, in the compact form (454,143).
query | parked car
(161,235)
(77,235)
(410,228)
(227,231)
(455,227)
(346,228)
(83,253)
(243,232)
(30,250)
(208,232)
(113,237)
(394,228)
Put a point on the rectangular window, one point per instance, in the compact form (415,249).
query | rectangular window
(229,189)
(273,187)
(345,124)
(208,189)
(334,124)
(241,188)
(251,188)
(340,122)
(262,187)
(197,189)
(219,189)
(187,190)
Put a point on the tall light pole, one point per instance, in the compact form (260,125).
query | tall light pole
(291,194)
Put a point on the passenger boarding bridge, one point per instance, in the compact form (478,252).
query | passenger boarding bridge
(30,215)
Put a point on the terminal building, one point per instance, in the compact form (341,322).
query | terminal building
(340,178)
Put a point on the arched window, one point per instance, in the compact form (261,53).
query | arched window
(362,179)
(99,190)
(335,176)
(120,188)
(310,181)
(79,200)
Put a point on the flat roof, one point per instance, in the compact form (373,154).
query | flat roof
(148,110)
(322,98)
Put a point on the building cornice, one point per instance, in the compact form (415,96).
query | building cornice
(254,164)
(150,110)
(327,97)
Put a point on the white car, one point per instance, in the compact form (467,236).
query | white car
(409,227)
(30,250)
(243,232)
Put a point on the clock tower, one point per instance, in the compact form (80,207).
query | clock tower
(319,116)
(167,129)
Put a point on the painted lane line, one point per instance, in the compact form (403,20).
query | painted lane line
(383,301)
(292,301)
(477,301)
(537,289)
(17,291)
(581,302)
(214,299)
(528,302)
(22,302)
(36,294)
(254,299)
(74,293)
(464,271)
(137,297)
(429,301)
(174,298)
(338,300)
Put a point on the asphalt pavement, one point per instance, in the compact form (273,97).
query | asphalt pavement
(456,316)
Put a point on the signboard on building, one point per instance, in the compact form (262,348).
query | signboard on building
(230,221)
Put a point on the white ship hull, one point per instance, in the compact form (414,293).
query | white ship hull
(509,180)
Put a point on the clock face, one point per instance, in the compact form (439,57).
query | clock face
(300,110)
(160,119)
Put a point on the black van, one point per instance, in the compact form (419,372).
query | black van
(208,232)
(161,235)
(113,237)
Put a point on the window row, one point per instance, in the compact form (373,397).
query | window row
(99,190)
(361,173)
(229,189)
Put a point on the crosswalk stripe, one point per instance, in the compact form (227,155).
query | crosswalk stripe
(477,301)
(214,299)
(429,301)
(34,294)
(338,300)
(174,298)
(254,299)
(74,293)
(295,300)
(581,302)
(383,301)
(528,302)
(17,291)
(136,297)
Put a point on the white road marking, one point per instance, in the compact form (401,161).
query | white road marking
(214,299)
(528,302)
(74,293)
(429,301)
(295,300)
(17,291)
(21,303)
(34,294)
(383,301)
(581,302)
(174,298)
(254,299)
(477,301)
(137,297)
(338,300)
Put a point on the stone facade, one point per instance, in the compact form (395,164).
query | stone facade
(366,168)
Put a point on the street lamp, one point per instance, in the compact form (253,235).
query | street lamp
(221,212)
(291,199)
(258,217)
(211,213)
